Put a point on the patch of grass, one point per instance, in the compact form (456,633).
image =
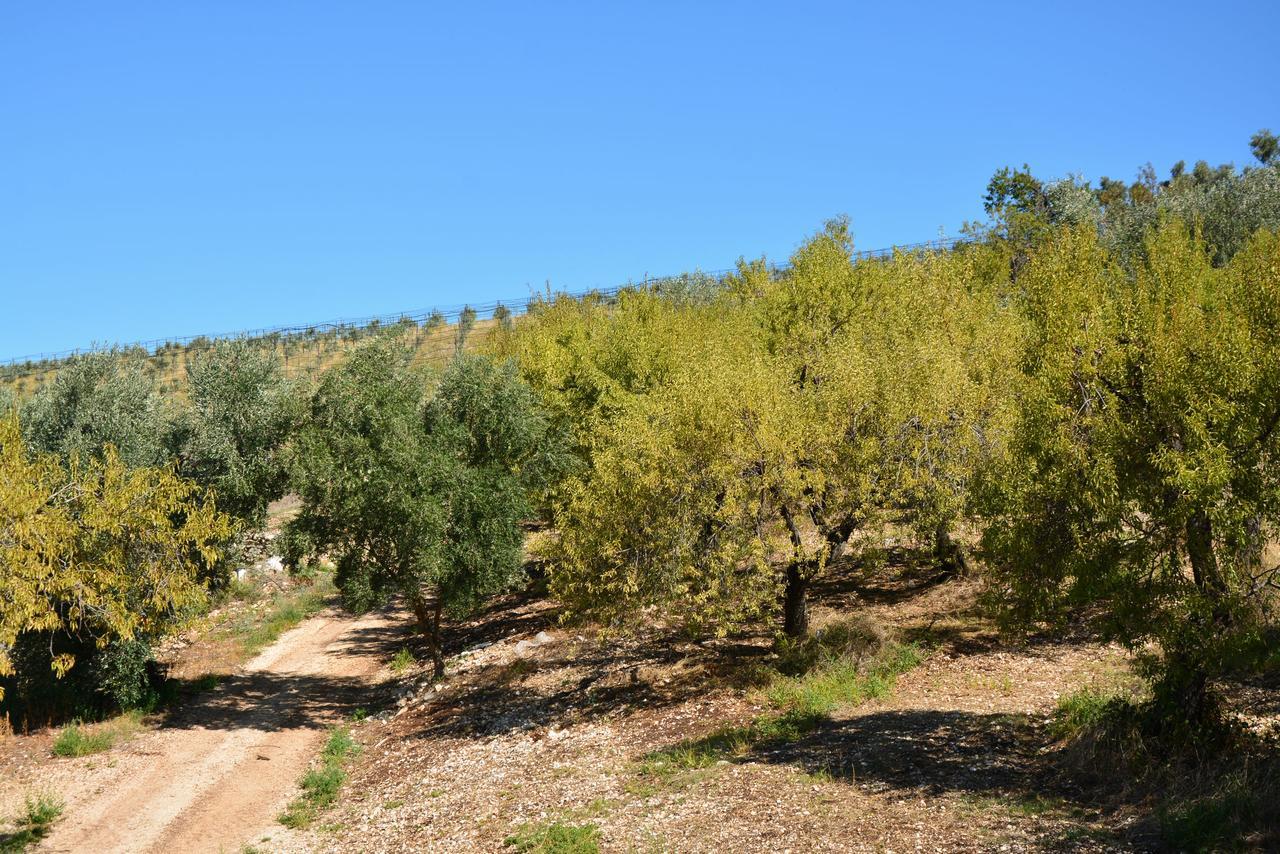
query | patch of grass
(75,739)
(555,838)
(1083,711)
(340,746)
(237,591)
(80,739)
(1029,805)
(1233,814)
(843,681)
(258,631)
(320,786)
(803,702)
(670,765)
(854,639)
(41,810)
(403,660)
(1215,787)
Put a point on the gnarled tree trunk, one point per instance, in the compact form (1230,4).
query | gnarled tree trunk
(795,603)
(948,552)
(427,614)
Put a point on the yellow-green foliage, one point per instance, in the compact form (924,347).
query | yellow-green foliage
(96,549)
(733,444)
(1143,472)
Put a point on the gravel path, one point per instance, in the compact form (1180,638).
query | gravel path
(215,775)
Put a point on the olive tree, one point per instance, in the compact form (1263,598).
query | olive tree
(96,400)
(231,435)
(419,494)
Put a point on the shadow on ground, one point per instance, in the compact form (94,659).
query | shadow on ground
(275,701)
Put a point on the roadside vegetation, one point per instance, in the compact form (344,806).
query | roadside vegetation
(41,811)
(321,785)
(1075,407)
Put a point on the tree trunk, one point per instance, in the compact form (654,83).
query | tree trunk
(1182,694)
(1184,688)
(428,617)
(949,553)
(795,603)
(1204,566)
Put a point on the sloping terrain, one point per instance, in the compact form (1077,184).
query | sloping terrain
(536,727)
(215,774)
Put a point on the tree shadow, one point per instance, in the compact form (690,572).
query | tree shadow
(987,758)
(922,751)
(270,702)
(603,681)
(276,701)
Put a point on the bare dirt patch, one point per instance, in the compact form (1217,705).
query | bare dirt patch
(535,724)
(215,774)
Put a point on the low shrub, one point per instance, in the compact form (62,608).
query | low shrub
(77,740)
(40,812)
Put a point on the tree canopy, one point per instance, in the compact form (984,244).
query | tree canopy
(231,435)
(96,549)
(1143,470)
(417,494)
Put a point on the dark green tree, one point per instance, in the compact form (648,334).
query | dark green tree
(96,400)
(420,497)
(1265,146)
(231,436)
(466,322)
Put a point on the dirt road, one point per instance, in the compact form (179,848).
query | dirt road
(215,776)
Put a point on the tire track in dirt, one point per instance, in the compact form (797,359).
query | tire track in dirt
(217,773)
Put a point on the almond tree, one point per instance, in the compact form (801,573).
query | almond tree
(795,412)
(95,550)
(1144,479)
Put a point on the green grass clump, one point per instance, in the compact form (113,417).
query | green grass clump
(1083,711)
(403,660)
(320,786)
(727,743)
(77,740)
(804,701)
(40,812)
(256,632)
(555,838)
(842,681)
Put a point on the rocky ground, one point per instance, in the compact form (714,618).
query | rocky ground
(536,725)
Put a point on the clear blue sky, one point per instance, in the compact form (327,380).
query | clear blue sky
(178,168)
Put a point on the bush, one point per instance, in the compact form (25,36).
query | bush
(123,675)
(855,638)
(39,813)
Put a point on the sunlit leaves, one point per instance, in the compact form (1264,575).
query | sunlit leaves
(96,549)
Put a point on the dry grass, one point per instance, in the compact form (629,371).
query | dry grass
(301,356)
